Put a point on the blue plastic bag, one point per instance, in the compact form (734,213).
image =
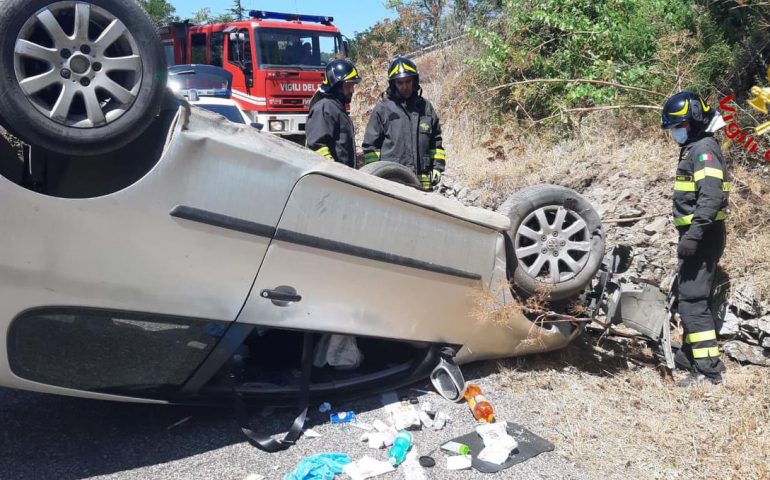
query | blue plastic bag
(323,466)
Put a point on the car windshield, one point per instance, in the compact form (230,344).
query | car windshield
(230,112)
(284,47)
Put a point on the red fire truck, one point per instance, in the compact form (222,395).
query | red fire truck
(277,61)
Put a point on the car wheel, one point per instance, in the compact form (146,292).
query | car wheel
(557,241)
(79,78)
(394,172)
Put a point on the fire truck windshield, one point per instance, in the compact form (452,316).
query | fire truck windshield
(305,49)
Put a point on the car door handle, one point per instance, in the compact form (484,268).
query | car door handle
(281,296)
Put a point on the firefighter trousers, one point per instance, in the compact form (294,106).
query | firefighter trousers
(696,286)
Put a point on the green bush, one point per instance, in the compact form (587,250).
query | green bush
(659,45)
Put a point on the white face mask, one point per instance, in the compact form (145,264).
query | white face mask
(679,134)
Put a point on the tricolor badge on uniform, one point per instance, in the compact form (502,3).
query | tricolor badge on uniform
(705,157)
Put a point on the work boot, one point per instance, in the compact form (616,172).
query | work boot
(697,378)
(682,361)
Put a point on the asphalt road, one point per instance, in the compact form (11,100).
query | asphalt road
(47,436)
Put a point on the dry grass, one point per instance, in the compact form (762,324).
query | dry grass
(622,421)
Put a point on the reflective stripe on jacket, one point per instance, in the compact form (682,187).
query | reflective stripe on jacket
(701,187)
(406,132)
(329,131)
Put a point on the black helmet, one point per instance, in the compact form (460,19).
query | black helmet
(402,67)
(338,72)
(685,107)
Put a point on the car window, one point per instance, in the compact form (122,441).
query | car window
(230,112)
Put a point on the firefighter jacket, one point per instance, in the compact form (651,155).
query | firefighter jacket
(329,130)
(406,132)
(701,187)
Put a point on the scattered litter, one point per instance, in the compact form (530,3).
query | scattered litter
(325,407)
(427,461)
(380,426)
(413,400)
(424,392)
(457,448)
(342,417)
(479,405)
(412,468)
(366,467)
(427,422)
(178,423)
(440,420)
(339,351)
(364,437)
(529,445)
(362,425)
(405,417)
(401,446)
(323,466)
(382,439)
(458,462)
(254,476)
(427,407)
(496,435)
(310,433)
(497,455)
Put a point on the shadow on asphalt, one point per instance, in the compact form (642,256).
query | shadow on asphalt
(48,436)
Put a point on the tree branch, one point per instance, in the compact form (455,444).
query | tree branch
(577,80)
(612,107)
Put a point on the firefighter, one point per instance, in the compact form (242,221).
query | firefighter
(700,199)
(329,130)
(404,128)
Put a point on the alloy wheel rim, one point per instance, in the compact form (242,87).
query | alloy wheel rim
(78,64)
(552,244)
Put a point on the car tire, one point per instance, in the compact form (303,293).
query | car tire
(556,241)
(394,172)
(77,90)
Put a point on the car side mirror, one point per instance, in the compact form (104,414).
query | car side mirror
(345,48)
(249,79)
(258,126)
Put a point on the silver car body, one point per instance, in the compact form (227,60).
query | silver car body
(228,212)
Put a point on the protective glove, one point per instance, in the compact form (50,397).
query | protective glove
(687,247)
(435,177)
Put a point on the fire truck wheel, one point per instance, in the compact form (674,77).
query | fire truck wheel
(81,78)
(557,241)
(392,171)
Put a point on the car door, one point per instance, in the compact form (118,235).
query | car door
(87,281)
(366,262)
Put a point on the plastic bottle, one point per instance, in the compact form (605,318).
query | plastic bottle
(481,408)
(455,447)
(401,445)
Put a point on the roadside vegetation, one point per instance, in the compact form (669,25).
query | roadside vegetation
(569,92)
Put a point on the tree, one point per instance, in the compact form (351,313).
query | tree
(204,16)
(160,11)
(238,11)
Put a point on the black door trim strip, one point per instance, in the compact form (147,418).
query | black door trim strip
(223,221)
(245,226)
(368,253)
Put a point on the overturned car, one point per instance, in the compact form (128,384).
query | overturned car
(153,251)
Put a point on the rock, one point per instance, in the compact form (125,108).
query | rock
(656,226)
(632,213)
(731,325)
(745,300)
(766,342)
(745,353)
